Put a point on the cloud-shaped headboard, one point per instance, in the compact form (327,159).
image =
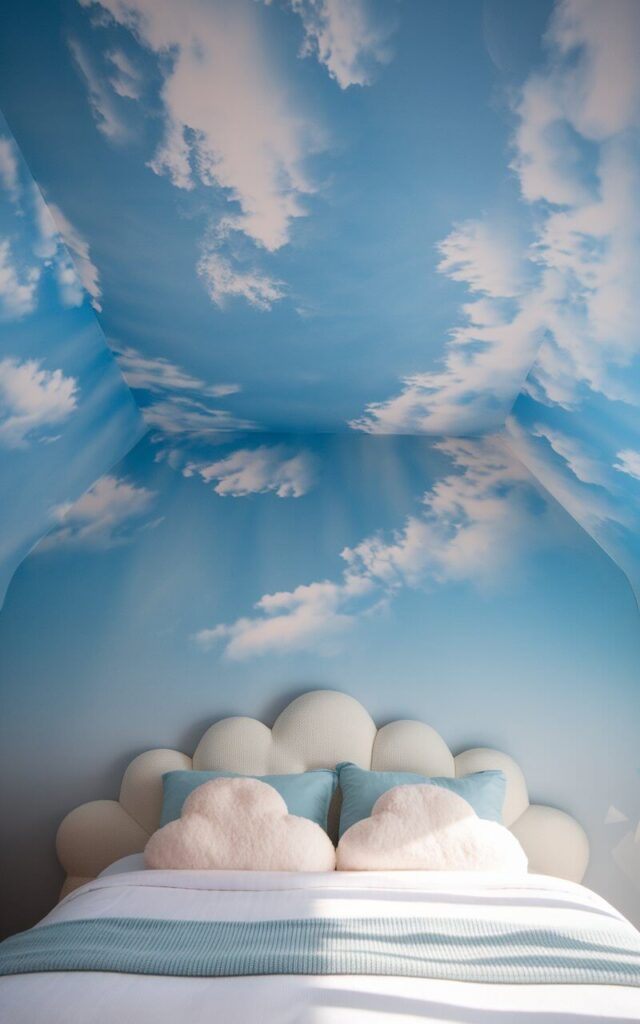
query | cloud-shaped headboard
(316,730)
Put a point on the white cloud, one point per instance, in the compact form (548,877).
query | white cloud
(126,79)
(185,417)
(81,255)
(602,95)
(592,243)
(69,286)
(576,161)
(183,412)
(484,259)
(230,119)
(18,287)
(545,160)
(306,617)
(106,516)
(48,240)
(101,99)
(175,458)
(476,525)
(158,375)
(346,36)
(256,157)
(224,281)
(589,492)
(32,400)
(591,87)
(628,462)
(584,466)
(257,471)
(486,360)
(592,251)
(594,508)
(61,246)
(9,176)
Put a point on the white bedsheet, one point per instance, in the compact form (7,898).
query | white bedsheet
(96,998)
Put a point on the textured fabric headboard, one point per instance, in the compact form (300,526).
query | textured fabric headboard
(316,730)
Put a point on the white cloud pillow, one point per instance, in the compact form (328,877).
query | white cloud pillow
(424,827)
(242,825)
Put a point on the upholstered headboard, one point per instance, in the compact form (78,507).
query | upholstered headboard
(316,730)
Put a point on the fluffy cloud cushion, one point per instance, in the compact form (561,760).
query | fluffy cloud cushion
(425,827)
(239,824)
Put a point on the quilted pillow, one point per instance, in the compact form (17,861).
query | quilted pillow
(485,791)
(307,794)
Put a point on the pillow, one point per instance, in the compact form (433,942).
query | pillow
(426,827)
(239,824)
(307,795)
(361,788)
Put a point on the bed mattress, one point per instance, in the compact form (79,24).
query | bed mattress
(535,902)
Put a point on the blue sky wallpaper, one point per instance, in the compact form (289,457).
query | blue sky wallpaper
(66,414)
(349,287)
(433,579)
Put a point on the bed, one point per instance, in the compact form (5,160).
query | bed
(129,944)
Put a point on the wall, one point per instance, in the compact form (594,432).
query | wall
(430,579)
(66,415)
(314,249)
(586,452)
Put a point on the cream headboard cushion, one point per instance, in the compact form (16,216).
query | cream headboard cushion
(316,730)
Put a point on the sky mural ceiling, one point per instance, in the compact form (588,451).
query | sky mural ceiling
(330,216)
(292,203)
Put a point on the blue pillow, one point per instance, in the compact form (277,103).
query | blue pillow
(360,789)
(306,795)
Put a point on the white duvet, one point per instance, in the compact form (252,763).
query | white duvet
(126,890)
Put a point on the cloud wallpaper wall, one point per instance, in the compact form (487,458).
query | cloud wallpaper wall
(66,414)
(429,578)
(363,273)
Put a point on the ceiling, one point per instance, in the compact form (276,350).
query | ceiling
(288,203)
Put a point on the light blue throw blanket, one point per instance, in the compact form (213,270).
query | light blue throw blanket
(426,947)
